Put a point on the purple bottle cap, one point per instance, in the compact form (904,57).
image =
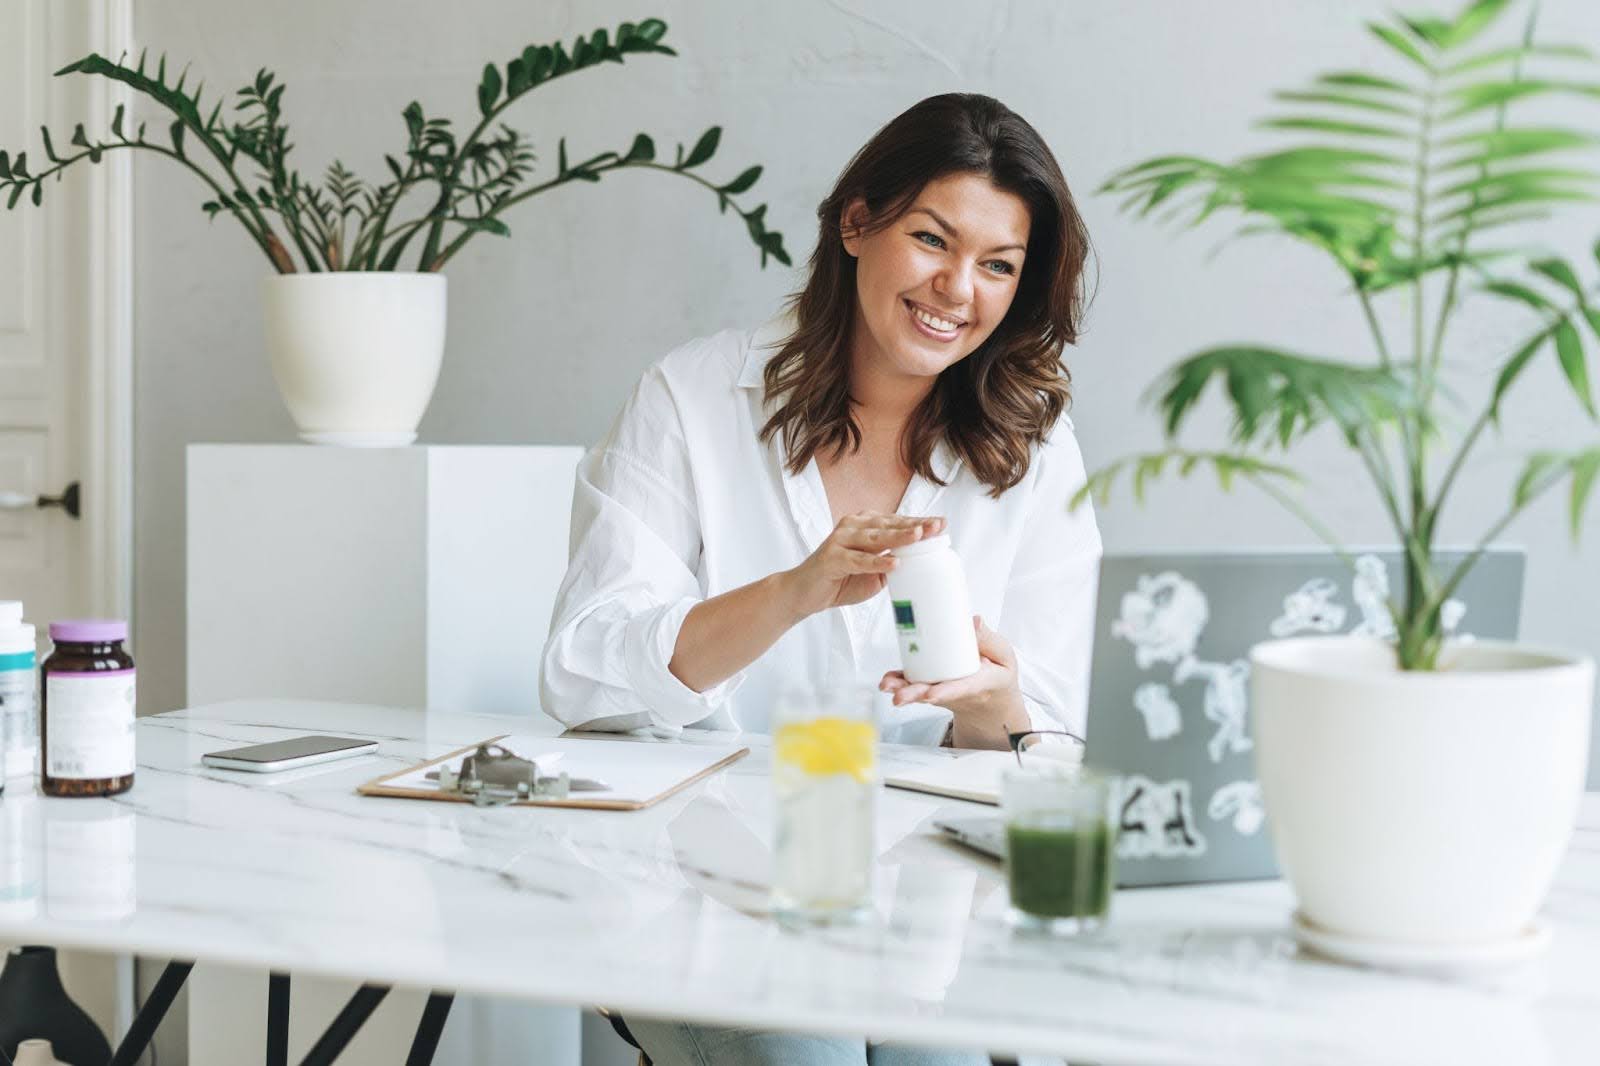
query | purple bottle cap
(89,631)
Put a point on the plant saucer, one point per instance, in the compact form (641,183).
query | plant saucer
(1438,960)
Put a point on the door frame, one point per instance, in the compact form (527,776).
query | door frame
(108,423)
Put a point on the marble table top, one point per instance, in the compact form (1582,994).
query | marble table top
(662,912)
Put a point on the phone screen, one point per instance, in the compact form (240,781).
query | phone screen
(293,748)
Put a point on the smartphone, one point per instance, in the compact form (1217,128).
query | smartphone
(284,754)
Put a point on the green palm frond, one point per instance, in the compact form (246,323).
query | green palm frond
(1278,396)
(1227,466)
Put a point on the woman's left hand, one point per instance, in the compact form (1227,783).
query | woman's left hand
(986,704)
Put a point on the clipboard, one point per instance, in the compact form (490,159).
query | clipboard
(641,773)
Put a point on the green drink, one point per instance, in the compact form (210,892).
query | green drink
(1060,848)
(1059,873)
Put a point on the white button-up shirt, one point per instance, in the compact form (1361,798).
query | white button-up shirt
(681,501)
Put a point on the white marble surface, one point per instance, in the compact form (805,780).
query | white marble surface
(661,912)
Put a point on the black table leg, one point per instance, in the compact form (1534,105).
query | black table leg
(345,1026)
(429,1029)
(278,1019)
(149,1017)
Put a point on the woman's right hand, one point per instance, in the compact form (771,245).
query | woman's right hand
(850,566)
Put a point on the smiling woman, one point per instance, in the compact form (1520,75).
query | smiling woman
(733,533)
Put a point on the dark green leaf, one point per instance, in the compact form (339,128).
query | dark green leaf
(642,151)
(704,148)
(742,182)
(1473,20)
(1325,125)
(16,194)
(487,225)
(413,117)
(1539,464)
(1400,43)
(1360,80)
(1569,347)
(38,193)
(1528,178)
(5,172)
(561,62)
(1491,146)
(1514,291)
(1561,274)
(19,166)
(517,81)
(489,89)
(1514,367)
(1508,55)
(1364,103)
(116,120)
(1474,98)
(49,149)
(1585,469)
(177,136)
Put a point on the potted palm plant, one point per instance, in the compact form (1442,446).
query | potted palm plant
(355,309)
(1421,790)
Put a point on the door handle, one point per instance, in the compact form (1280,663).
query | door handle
(68,501)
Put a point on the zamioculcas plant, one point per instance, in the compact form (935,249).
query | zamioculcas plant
(457,186)
(1406,181)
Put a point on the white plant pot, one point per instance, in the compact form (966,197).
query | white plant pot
(356,354)
(1428,809)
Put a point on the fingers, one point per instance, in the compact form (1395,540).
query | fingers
(860,562)
(879,532)
(992,645)
(912,692)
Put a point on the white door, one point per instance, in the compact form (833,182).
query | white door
(63,372)
(64,369)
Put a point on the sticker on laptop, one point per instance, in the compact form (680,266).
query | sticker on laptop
(1156,820)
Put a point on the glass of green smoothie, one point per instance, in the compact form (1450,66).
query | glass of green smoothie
(1060,848)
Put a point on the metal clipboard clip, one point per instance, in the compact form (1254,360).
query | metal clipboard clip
(494,776)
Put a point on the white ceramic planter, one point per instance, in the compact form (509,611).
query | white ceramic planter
(1429,809)
(356,354)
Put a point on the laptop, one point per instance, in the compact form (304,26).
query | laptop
(1169,687)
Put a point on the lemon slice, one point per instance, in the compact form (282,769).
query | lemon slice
(828,746)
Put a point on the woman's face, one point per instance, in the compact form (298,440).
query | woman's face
(933,285)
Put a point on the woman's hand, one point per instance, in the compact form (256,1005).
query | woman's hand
(987,704)
(850,565)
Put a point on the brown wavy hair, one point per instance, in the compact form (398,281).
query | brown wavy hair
(993,406)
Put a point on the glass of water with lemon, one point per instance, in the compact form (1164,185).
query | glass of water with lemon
(825,783)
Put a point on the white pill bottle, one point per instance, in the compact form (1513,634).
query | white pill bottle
(932,611)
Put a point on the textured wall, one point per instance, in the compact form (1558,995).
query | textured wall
(548,330)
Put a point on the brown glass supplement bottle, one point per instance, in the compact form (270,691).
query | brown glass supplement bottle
(86,719)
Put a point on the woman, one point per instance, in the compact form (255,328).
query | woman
(730,533)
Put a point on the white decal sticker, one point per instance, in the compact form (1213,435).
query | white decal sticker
(1310,609)
(1241,801)
(1227,702)
(1162,618)
(1162,717)
(1156,820)
(1370,590)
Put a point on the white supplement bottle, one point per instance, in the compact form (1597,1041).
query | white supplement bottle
(932,612)
(19,716)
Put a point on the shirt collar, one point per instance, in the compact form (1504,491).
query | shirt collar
(764,344)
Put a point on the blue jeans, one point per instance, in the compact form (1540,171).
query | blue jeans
(683,1044)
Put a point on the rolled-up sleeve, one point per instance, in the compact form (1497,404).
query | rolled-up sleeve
(1049,607)
(631,580)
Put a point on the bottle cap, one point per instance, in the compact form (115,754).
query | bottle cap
(89,631)
(937,542)
(10,613)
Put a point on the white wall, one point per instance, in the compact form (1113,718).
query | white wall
(549,329)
